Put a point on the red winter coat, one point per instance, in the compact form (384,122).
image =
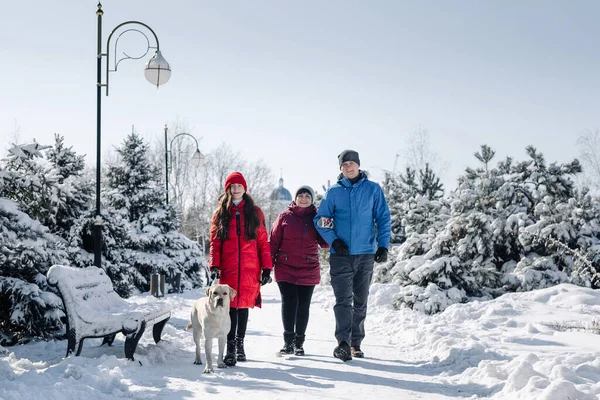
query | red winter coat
(295,246)
(241,262)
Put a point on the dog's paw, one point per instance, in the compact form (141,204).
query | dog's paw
(197,362)
(221,365)
(208,370)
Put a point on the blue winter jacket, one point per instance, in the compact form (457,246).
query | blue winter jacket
(355,210)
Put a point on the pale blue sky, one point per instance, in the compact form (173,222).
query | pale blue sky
(295,83)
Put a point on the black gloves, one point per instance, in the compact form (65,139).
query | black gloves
(266,277)
(340,247)
(214,273)
(381,255)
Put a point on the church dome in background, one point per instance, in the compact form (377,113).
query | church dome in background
(281,193)
(279,201)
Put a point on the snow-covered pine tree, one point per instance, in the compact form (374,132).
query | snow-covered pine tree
(461,258)
(395,195)
(27,311)
(27,250)
(74,192)
(53,192)
(31,186)
(117,245)
(551,195)
(157,246)
(584,212)
(158,234)
(131,182)
(430,185)
(323,253)
(411,187)
(417,210)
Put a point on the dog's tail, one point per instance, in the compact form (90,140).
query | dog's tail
(188,326)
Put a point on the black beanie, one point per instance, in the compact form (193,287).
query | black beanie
(348,155)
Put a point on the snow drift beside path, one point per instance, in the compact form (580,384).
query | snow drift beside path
(533,345)
(514,347)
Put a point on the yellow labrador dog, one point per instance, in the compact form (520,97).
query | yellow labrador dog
(210,316)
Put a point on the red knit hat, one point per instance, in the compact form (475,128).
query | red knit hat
(235,177)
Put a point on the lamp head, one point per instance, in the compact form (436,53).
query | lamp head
(158,70)
(197,159)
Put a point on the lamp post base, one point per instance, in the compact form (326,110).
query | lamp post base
(98,243)
(157,285)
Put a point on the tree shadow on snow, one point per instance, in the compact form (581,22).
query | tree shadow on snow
(309,376)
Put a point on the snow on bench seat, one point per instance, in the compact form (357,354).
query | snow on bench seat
(95,310)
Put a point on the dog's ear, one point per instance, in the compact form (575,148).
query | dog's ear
(208,291)
(232,293)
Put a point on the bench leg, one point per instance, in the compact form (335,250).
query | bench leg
(79,347)
(109,339)
(73,345)
(157,330)
(132,341)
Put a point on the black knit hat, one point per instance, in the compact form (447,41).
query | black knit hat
(306,189)
(348,155)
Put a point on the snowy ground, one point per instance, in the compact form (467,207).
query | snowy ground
(509,348)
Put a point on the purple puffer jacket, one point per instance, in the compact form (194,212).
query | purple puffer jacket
(295,246)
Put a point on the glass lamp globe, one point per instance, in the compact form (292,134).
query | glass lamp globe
(158,70)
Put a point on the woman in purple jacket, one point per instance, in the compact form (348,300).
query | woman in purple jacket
(295,251)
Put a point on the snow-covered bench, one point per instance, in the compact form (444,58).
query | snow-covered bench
(95,310)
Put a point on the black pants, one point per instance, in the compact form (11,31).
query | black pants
(239,322)
(295,305)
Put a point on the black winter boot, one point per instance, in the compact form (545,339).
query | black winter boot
(288,347)
(298,345)
(239,352)
(342,351)
(288,343)
(230,357)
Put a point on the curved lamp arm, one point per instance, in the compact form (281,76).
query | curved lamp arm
(198,157)
(158,70)
(184,134)
(107,54)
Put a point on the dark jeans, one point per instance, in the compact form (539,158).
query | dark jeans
(239,322)
(295,305)
(350,278)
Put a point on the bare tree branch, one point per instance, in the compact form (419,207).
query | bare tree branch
(589,150)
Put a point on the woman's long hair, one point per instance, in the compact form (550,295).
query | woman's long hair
(251,220)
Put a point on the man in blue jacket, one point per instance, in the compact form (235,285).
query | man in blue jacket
(346,219)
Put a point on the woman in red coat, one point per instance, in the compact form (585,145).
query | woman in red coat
(295,249)
(239,257)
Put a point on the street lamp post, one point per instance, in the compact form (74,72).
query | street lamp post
(157,72)
(196,160)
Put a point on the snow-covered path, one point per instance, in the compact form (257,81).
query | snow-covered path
(513,347)
(166,370)
(316,375)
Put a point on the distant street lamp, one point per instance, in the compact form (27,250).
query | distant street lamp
(157,72)
(197,159)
